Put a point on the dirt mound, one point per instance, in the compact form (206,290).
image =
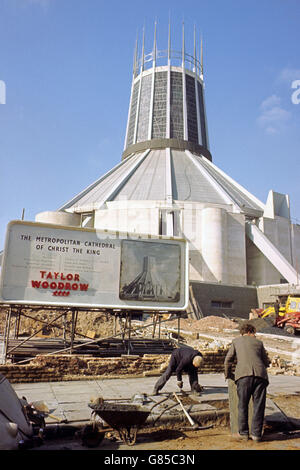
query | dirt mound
(88,323)
(205,324)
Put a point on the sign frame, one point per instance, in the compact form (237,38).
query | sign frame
(163,243)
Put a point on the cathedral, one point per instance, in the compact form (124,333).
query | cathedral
(242,251)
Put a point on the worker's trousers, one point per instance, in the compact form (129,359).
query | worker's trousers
(257,388)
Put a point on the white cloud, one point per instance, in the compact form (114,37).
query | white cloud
(288,75)
(272,100)
(273,116)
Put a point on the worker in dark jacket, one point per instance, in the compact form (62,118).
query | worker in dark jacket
(277,307)
(251,378)
(184,359)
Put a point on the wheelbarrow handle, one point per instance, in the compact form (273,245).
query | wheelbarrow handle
(159,402)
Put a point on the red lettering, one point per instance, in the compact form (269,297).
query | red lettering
(36,284)
(84,287)
(60,288)
(61,293)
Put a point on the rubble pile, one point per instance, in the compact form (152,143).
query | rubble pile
(282,366)
(206,324)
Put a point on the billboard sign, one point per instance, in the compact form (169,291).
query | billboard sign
(47,264)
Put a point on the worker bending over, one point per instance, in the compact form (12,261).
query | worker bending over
(184,359)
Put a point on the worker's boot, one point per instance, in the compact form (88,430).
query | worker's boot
(196,389)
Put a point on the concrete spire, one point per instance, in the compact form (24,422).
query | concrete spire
(135,58)
(201,60)
(143,51)
(154,45)
(195,52)
(183,45)
(169,43)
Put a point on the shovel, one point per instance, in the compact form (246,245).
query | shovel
(195,426)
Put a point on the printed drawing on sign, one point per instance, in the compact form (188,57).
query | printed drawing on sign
(150,272)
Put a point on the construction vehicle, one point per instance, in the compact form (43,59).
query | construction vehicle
(290,322)
(291,305)
(288,316)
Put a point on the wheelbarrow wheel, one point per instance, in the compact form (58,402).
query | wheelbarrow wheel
(91,436)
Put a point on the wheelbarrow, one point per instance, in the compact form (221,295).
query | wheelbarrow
(124,418)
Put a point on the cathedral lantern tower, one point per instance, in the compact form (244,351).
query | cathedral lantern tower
(167,106)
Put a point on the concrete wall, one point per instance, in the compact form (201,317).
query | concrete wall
(259,269)
(295,236)
(59,218)
(236,247)
(217,246)
(124,217)
(216,237)
(242,298)
(78,367)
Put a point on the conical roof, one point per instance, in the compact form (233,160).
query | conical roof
(166,174)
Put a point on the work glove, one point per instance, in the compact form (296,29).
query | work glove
(179,384)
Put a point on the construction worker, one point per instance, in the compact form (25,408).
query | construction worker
(184,359)
(276,307)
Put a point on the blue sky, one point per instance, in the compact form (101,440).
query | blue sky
(67,69)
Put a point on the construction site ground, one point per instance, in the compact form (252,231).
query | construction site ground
(69,400)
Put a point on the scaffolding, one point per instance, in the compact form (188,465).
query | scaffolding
(19,349)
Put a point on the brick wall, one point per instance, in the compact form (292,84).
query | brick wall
(76,367)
